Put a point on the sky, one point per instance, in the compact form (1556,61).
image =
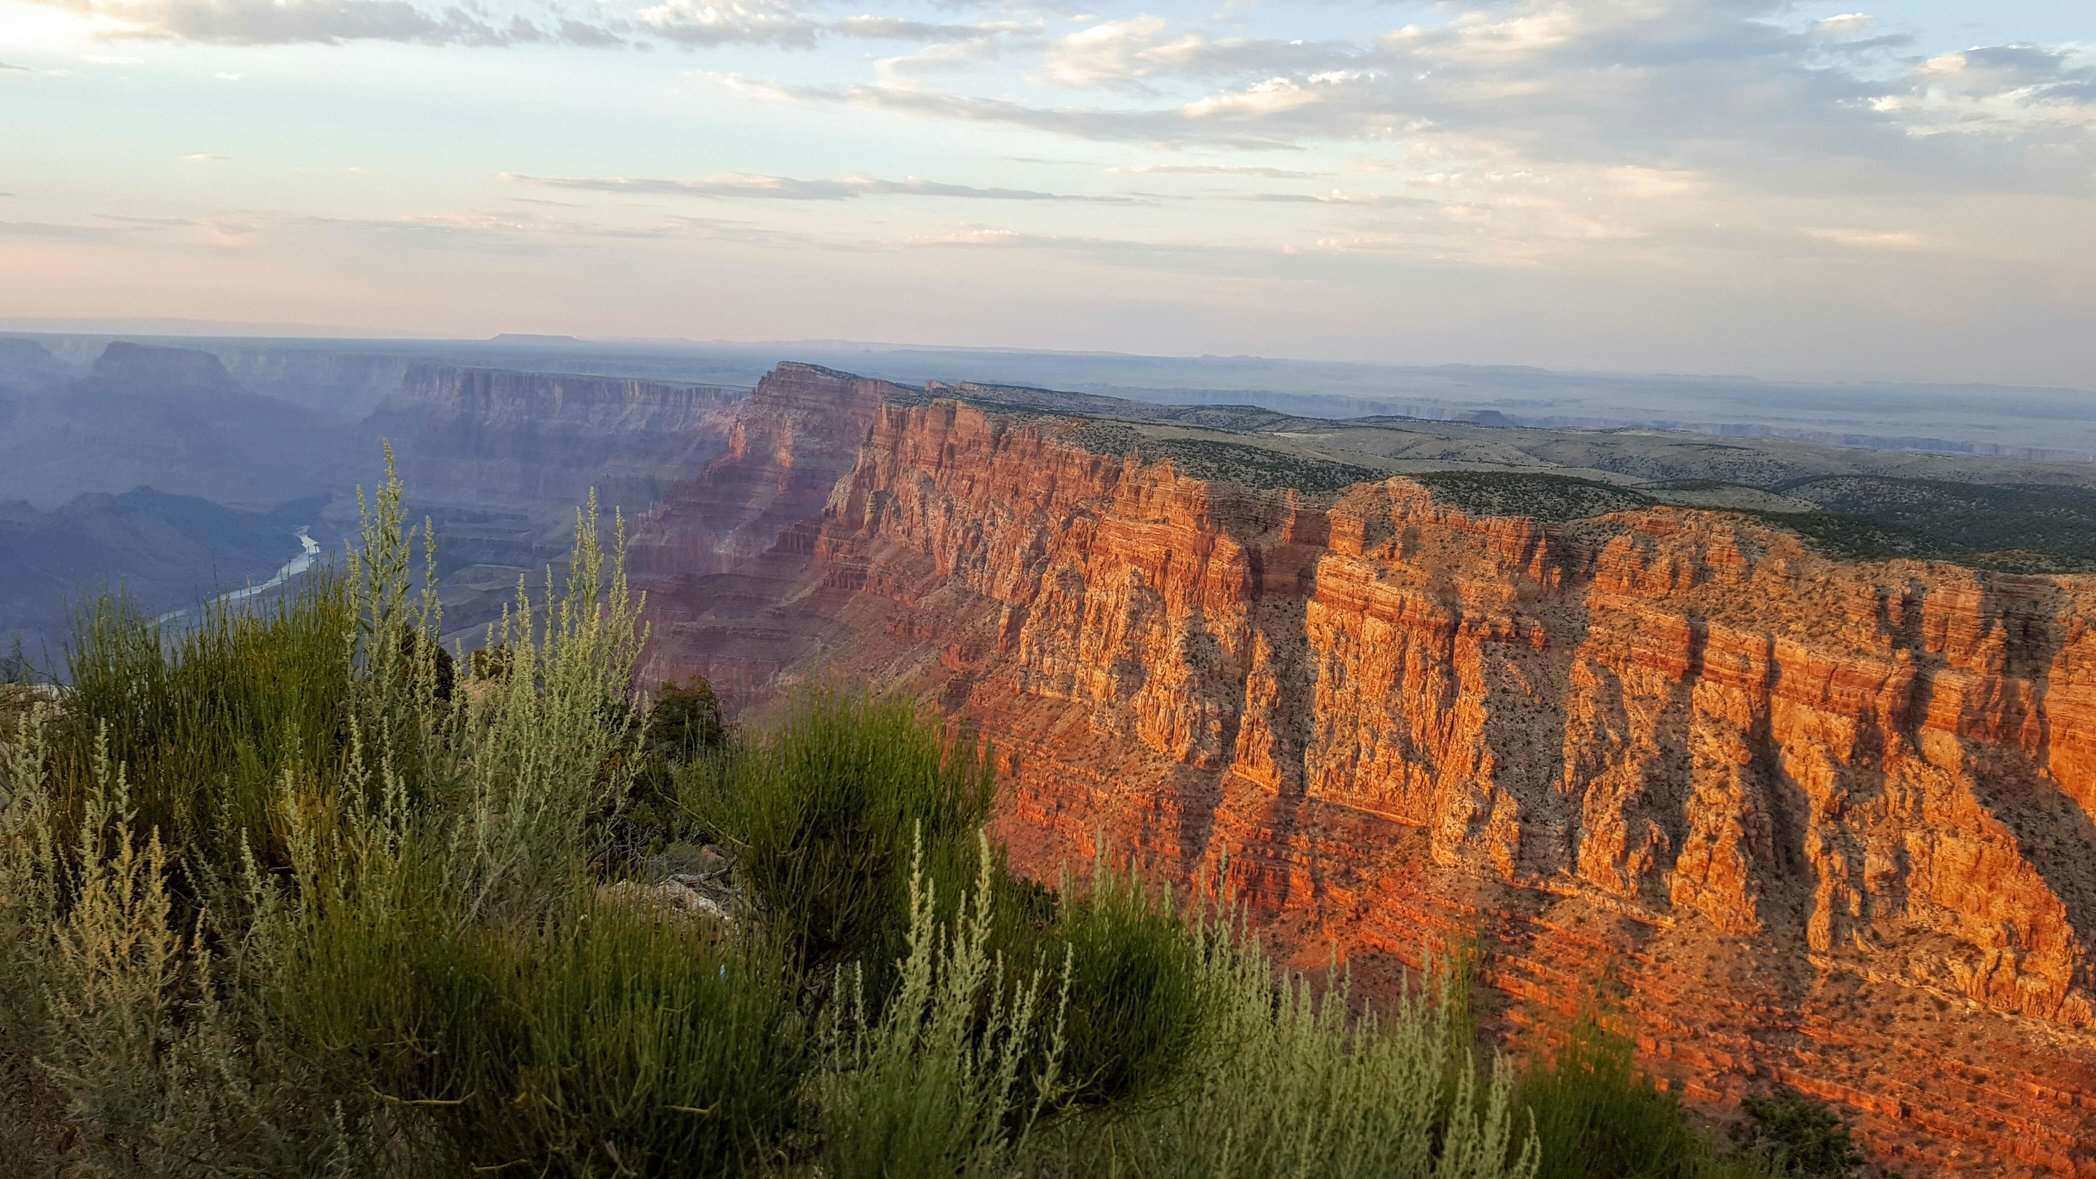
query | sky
(1904,190)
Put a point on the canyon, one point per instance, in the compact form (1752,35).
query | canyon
(1781,755)
(1800,819)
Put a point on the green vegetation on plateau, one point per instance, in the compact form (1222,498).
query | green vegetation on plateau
(285,897)
(2019,528)
(1539,497)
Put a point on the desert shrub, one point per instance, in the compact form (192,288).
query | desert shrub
(1136,1004)
(129,1047)
(1791,1134)
(205,726)
(542,757)
(951,1074)
(680,1051)
(822,814)
(488,663)
(686,722)
(16,668)
(1598,1115)
(1288,1080)
(229,856)
(628,1042)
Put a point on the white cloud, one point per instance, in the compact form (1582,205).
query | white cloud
(328,22)
(749,186)
(1846,24)
(1216,170)
(1869,239)
(730,22)
(1109,52)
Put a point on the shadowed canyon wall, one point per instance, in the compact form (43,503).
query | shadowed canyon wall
(544,439)
(1807,821)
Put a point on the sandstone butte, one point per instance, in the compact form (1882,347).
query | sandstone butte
(1801,821)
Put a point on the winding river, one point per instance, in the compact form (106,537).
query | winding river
(309,552)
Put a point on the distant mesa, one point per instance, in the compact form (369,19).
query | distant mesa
(128,365)
(536,340)
(26,364)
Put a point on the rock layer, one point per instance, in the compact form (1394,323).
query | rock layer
(543,440)
(1827,823)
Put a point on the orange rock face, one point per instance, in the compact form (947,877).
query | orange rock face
(1819,822)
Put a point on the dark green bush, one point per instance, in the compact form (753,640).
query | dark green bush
(685,723)
(206,726)
(1599,1117)
(623,1041)
(822,814)
(1136,1006)
(1791,1134)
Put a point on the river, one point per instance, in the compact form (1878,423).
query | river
(309,552)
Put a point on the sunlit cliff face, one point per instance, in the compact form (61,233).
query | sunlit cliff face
(1733,185)
(1821,819)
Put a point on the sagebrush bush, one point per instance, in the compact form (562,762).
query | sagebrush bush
(949,1076)
(1290,1081)
(233,855)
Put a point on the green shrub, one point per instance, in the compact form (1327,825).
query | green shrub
(129,1046)
(685,723)
(950,1075)
(628,1042)
(229,857)
(1598,1116)
(1136,1004)
(206,726)
(822,814)
(1791,1134)
(1288,1080)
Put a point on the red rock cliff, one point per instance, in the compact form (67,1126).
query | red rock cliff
(1824,822)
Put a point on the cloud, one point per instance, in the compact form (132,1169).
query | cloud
(787,25)
(1869,239)
(147,222)
(1846,24)
(1217,170)
(1162,126)
(1125,53)
(492,232)
(60,232)
(205,157)
(951,47)
(1200,257)
(329,22)
(733,22)
(1998,91)
(1338,197)
(785,188)
(1265,98)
